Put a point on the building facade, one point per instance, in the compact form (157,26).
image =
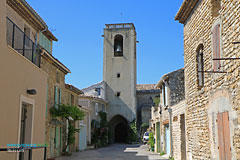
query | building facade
(55,95)
(23,82)
(146,93)
(168,117)
(91,105)
(211,78)
(72,96)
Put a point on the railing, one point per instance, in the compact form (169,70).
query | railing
(19,41)
(22,153)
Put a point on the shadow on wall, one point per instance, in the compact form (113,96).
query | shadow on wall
(119,116)
(116,106)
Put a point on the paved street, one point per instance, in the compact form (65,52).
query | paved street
(116,152)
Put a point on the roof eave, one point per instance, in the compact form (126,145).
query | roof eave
(185,10)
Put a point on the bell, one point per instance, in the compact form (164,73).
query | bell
(119,48)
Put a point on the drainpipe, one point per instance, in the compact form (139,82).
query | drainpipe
(170,127)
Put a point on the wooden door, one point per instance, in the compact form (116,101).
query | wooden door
(224,144)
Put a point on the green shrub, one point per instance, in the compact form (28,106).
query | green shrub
(162,153)
(100,131)
(151,140)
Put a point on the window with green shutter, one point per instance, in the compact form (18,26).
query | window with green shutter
(55,97)
(59,96)
(45,43)
(56,137)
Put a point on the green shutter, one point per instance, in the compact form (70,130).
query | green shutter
(56,137)
(55,97)
(60,96)
(60,138)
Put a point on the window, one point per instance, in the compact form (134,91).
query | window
(72,100)
(45,43)
(165,94)
(57,77)
(216,47)
(118,94)
(59,95)
(103,108)
(118,46)
(27,35)
(118,75)
(200,66)
(55,97)
(96,108)
(98,90)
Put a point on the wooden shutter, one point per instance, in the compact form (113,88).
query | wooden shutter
(55,97)
(216,47)
(224,136)
(226,131)
(200,67)
(220,136)
(56,137)
(59,96)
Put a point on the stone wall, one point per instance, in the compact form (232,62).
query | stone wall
(48,66)
(176,86)
(177,111)
(145,99)
(203,104)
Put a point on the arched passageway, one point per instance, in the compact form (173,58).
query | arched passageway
(119,127)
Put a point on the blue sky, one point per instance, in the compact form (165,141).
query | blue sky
(78,25)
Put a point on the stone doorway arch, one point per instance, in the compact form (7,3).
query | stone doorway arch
(118,127)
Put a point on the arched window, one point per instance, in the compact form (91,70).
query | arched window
(200,66)
(118,46)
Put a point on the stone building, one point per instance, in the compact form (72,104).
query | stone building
(211,30)
(23,82)
(91,105)
(146,93)
(168,118)
(56,95)
(72,96)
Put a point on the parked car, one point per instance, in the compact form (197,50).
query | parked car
(145,137)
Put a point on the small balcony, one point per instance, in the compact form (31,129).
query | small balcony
(19,41)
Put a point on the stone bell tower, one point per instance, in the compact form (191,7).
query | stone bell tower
(119,70)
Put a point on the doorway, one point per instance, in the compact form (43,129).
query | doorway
(183,137)
(121,133)
(167,139)
(25,128)
(83,137)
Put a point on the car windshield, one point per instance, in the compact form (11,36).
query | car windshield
(146,134)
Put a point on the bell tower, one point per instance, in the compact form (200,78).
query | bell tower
(119,70)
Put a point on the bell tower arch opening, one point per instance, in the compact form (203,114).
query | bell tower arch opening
(118,45)
(119,128)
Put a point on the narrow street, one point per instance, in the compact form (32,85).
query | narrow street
(116,152)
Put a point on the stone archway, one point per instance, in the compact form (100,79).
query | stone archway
(119,128)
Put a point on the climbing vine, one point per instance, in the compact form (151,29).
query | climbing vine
(100,131)
(69,113)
